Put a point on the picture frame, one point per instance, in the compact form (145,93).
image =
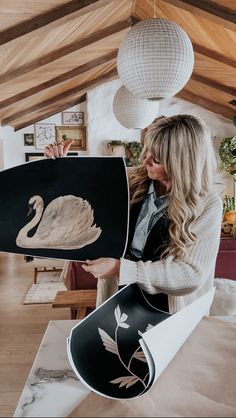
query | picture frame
(72,118)
(32,156)
(77,133)
(28,140)
(45,133)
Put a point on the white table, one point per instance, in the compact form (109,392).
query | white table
(52,389)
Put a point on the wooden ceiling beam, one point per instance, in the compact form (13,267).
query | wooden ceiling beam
(68,49)
(209,10)
(46,115)
(59,79)
(214,84)
(53,15)
(217,56)
(214,107)
(61,96)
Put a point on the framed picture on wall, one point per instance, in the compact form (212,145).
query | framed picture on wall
(73,118)
(28,140)
(77,133)
(45,134)
(32,156)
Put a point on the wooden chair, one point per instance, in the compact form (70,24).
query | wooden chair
(45,265)
(81,300)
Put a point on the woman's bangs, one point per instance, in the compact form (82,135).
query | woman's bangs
(153,146)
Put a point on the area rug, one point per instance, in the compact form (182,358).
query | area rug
(46,288)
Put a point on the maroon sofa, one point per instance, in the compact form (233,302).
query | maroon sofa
(226,259)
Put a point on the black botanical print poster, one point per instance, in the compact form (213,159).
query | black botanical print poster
(122,347)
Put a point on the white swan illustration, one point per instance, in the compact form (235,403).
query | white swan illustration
(66,224)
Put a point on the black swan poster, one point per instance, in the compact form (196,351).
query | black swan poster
(69,208)
(121,348)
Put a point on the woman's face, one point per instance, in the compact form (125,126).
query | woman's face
(155,170)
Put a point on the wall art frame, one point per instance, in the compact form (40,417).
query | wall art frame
(77,133)
(28,140)
(45,134)
(32,156)
(72,118)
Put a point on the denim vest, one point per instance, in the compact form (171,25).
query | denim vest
(157,240)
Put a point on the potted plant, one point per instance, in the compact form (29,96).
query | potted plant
(228,209)
(133,151)
(233,102)
(227,152)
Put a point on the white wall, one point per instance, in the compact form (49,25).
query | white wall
(103,127)
(13,142)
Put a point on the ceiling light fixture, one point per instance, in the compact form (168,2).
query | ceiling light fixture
(133,112)
(155,59)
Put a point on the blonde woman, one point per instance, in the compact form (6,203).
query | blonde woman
(175,218)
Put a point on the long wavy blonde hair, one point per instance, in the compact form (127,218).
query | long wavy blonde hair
(183,145)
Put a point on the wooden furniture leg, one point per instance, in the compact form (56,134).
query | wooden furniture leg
(81,313)
(35,275)
(76,299)
(44,265)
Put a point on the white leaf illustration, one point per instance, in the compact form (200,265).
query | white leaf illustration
(149,327)
(125,381)
(123,325)
(108,342)
(120,318)
(139,355)
(121,379)
(117,314)
(132,383)
(123,317)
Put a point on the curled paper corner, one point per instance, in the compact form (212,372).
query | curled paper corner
(108,340)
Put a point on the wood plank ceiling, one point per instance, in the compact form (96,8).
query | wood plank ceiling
(53,51)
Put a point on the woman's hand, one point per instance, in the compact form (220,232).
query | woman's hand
(103,268)
(57,150)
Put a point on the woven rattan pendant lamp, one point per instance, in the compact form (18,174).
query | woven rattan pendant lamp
(133,112)
(155,59)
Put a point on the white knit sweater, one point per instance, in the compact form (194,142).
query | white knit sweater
(184,281)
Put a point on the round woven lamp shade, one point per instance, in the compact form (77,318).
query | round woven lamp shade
(133,112)
(155,59)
